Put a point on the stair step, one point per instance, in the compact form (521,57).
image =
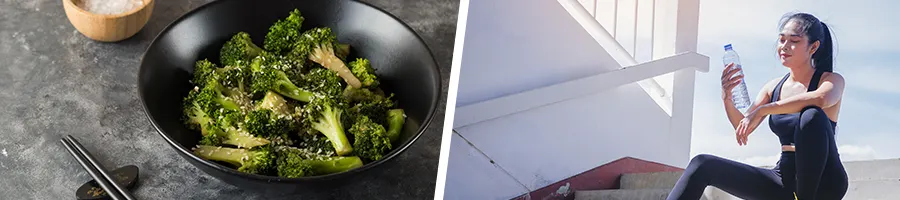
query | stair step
(624,194)
(873,170)
(653,180)
(873,189)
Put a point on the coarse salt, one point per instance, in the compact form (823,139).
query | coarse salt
(110,7)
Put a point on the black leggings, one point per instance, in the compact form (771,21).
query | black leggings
(815,164)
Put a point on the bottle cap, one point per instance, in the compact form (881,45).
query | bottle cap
(728,47)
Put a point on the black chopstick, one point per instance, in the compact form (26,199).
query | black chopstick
(100,175)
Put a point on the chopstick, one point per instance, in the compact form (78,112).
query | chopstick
(90,164)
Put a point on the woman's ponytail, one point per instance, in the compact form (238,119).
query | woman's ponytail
(823,58)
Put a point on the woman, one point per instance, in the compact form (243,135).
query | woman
(802,106)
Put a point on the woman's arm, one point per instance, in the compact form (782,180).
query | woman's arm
(747,123)
(827,95)
(735,116)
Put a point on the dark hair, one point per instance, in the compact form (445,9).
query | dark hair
(815,30)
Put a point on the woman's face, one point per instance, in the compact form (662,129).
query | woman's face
(794,48)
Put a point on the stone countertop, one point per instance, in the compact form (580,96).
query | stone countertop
(54,81)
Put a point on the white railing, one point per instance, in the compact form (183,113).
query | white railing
(610,40)
(673,30)
(673,54)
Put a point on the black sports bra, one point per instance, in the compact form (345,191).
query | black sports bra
(784,125)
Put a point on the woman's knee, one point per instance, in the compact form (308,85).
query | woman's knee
(703,159)
(813,115)
(813,121)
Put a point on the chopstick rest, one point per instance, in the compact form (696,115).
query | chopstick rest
(97,171)
(126,176)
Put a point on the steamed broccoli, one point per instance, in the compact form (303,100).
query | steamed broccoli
(260,160)
(214,96)
(196,117)
(395,120)
(283,35)
(370,139)
(363,70)
(236,79)
(273,111)
(324,116)
(295,163)
(318,44)
(323,82)
(269,76)
(216,126)
(203,70)
(239,48)
(232,136)
(265,123)
(375,107)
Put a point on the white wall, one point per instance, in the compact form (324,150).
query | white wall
(516,45)
(547,144)
(513,46)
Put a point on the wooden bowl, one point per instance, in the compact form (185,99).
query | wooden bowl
(106,27)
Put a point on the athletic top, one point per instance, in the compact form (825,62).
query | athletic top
(784,125)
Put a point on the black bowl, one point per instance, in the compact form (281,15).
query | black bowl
(402,61)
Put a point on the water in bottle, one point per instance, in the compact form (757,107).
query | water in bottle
(739,94)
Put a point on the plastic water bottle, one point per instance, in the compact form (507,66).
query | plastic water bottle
(739,94)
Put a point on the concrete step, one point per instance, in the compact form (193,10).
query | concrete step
(653,180)
(874,189)
(873,170)
(625,194)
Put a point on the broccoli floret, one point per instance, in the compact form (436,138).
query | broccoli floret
(233,136)
(361,94)
(275,102)
(370,139)
(373,106)
(363,70)
(272,118)
(311,141)
(217,126)
(260,160)
(268,75)
(236,78)
(194,116)
(222,129)
(295,163)
(318,45)
(213,136)
(265,123)
(324,116)
(214,96)
(284,33)
(324,82)
(203,70)
(395,120)
(239,48)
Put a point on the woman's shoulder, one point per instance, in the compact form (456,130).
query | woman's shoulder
(770,85)
(832,76)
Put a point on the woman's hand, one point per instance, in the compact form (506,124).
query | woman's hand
(747,126)
(729,80)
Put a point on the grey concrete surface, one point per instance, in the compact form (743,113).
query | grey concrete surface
(655,180)
(625,194)
(54,81)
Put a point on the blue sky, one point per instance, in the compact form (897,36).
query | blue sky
(867,50)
